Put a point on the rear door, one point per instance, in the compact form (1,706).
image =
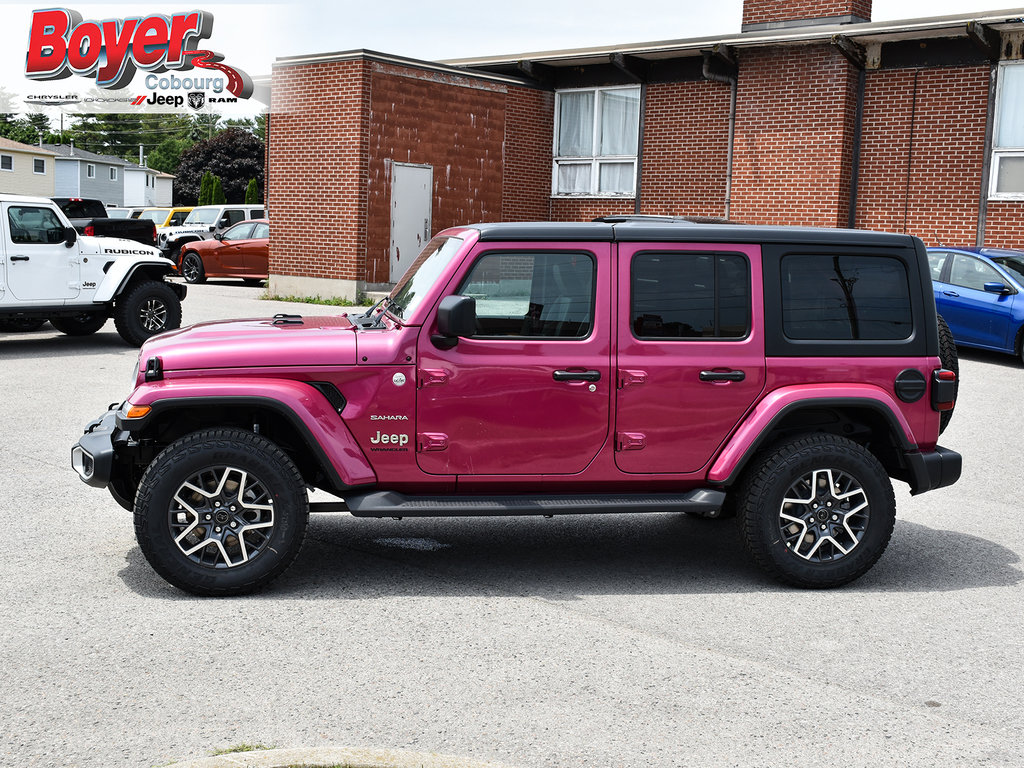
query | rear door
(529,394)
(691,352)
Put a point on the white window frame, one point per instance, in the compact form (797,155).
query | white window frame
(90,171)
(11,158)
(39,160)
(112,173)
(998,153)
(595,161)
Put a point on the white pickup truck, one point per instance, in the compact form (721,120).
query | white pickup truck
(50,272)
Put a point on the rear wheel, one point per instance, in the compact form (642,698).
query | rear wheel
(951,362)
(221,512)
(82,324)
(817,511)
(192,268)
(151,307)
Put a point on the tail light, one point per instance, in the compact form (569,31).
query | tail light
(152,234)
(943,389)
(89,230)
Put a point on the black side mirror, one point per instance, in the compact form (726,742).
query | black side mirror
(219,236)
(997,287)
(70,236)
(456,317)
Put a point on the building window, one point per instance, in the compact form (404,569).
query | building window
(596,135)
(113,174)
(90,171)
(38,165)
(6,162)
(1007,181)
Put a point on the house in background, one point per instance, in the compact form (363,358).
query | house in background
(87,174)
(25,169)
(141,188)
(810,114)
(164,189)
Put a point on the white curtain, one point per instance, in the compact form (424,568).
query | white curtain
(620,116)
(573,178)
(1011,106)
(576,124)
(615,178)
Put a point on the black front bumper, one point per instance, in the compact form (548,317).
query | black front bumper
(93,455)
(935,469)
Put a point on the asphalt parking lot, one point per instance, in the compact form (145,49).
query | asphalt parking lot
(633,641)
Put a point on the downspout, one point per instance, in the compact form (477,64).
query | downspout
(858,130)
(640,146)
(731,81)
(986,162)
(910,153)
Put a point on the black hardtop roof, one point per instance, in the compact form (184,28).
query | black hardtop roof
(668,229)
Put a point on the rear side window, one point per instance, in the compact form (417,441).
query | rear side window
(533,294)
(845,297)
(690,296)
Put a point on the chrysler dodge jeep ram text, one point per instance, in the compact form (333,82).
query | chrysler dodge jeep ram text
(625,365)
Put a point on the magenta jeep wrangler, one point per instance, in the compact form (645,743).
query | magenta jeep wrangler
(626,365)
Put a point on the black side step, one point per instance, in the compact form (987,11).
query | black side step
(703,501)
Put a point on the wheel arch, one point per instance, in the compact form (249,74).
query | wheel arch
(865,420)
(120,279)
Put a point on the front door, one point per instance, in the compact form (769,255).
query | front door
(41,268)
(530,392)
(691,352)
(411,196)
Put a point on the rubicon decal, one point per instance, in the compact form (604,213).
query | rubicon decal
(61,44)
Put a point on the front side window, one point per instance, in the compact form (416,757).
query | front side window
(969,272)
(689,296)
(596,138)
(239,231)
(526,294)
(34,225)
(840,297)
(233,216)
(1007,180)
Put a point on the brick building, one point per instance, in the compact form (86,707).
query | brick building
(811,115)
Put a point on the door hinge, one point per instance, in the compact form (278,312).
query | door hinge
(628,378)
(432,377)
(431,441)
(630,441)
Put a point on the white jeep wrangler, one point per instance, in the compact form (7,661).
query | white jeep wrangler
(50,272)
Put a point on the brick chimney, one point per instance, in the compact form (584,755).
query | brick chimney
(761,15)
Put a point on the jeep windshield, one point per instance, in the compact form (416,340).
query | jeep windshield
(202,216)
(421,275)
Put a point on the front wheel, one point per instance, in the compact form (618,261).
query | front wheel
(192,268)
(221,512)
(817,511)
(82,324)
(151,307)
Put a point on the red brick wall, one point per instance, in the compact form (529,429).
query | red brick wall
(794,135)
(587,208)
(922,152)
(454,124)
(529,125)
(763,11)
(1004,224)
(686,146)
(316,179)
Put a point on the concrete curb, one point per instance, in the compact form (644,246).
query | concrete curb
(331,756)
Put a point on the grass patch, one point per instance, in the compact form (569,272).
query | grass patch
(330,301)
(240,748)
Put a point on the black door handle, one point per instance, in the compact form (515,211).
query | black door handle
(576,375)
(951,293)
(19,258)
(722,375)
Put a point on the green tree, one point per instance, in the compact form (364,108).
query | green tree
(217,195)
(252,192)
(206,189)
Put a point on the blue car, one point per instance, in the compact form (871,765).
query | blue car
(980,293)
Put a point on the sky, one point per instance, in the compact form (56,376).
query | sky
(252,35)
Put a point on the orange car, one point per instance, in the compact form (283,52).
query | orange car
(242,251)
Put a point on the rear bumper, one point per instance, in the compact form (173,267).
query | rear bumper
(933,469)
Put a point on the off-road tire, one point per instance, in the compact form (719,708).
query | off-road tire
(950,361)
(82,324)
(782,550)
(151,307)
(192,268)
(217,453)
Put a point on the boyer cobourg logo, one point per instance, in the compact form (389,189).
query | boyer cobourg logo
(112,51)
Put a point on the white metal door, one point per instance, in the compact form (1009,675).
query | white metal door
(411,195)
(41,269)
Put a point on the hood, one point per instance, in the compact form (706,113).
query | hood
(255,343)
(114,246)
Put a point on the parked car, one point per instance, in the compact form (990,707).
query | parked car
(77,282)
(627,365)
(166,217)
(89,217)
(241,251)
(202,223)
(980,293)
